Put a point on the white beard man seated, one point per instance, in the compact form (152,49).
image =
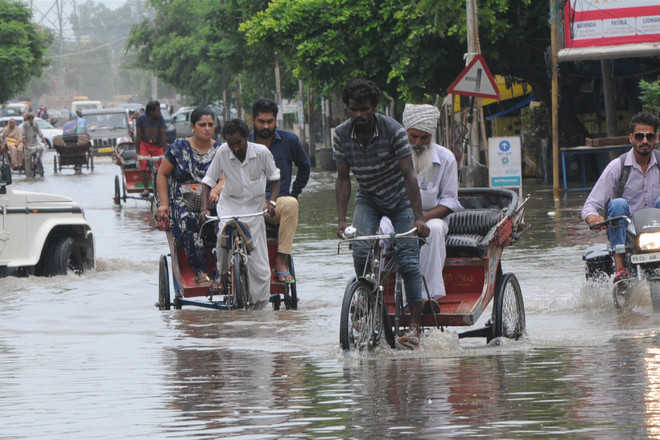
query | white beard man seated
(437,176)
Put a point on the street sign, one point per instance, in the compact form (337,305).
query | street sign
(504,164)
(475,80)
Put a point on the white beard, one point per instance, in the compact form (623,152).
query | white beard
(423,161)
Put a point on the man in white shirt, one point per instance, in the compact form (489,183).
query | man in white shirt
(437,176)
(246,167)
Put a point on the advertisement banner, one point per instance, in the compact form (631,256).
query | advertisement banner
(504,170)
(589,23)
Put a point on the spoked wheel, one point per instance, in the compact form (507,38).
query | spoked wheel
(91,162)
(116,199)
(393,323)
(55,164)
(163,284)
(361,322)
(508,309)
(239,283)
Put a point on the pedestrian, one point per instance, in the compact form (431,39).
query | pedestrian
(287,151)
(376,148)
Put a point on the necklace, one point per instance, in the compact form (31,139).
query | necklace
(198,149)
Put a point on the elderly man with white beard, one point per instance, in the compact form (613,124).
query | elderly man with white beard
(437,176)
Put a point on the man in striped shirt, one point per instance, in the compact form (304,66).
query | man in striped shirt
(376,148)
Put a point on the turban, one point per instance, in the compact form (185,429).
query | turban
(423,117)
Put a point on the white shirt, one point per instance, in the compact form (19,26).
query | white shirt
(439,184)
(245,182)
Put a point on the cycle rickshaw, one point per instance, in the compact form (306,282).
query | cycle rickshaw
(74,150)
(374,304)
(234,294)
(131,181)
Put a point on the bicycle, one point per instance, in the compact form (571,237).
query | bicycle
(233,273)
(364,317)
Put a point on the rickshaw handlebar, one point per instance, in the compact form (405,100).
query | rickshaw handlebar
(215,218)
(150,158)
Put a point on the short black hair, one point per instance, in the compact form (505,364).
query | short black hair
(645,118)
(197,114)
(151,106)
(264,105)
(235,126)
(361,90)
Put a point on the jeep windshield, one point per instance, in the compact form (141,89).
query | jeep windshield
(108,121)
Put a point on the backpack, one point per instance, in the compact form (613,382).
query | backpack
(625,173)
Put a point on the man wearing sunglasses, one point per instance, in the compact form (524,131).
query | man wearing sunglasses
(629,183)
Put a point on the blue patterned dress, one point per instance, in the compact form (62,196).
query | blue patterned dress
(189,167)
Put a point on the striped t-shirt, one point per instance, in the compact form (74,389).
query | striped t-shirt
(375,166)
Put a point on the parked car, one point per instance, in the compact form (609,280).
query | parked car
(107,128)
(170,129)
(42,234)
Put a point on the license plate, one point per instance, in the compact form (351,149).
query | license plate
(645,258)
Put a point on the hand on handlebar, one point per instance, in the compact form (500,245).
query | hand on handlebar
(205,213)
(422,230)
(594,219)
(340,229)
(214,195)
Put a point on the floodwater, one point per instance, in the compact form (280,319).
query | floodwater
(91,357)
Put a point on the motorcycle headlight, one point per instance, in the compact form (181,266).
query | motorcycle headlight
(649,241)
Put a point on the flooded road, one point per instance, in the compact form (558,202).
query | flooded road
(91,357)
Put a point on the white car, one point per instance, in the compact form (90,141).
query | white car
(48,130)
(42,234)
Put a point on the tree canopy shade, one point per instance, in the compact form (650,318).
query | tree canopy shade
(22,53)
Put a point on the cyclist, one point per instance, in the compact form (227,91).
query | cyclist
(247,167)
(376,147)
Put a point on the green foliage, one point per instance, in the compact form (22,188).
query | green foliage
(23,48)
(650,94)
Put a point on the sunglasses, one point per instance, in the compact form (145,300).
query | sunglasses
(640,136)
(206,124)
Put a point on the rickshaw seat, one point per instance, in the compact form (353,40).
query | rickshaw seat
(468,230)
(128,158)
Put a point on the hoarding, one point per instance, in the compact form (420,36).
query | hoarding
(589,23)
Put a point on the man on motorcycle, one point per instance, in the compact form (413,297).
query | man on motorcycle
(14,146)
(34,148)
(629,183)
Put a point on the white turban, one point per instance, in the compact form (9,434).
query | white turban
(423,117)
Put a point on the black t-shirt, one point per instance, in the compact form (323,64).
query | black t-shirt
(150,129)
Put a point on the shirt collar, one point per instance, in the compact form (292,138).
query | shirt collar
(249,154)
(631,161)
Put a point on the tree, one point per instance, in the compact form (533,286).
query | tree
(23,48)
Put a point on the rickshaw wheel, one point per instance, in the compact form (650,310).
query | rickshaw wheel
(360,324)
(276,301)
(163,284)
(116,199)
(239,283)
(55,164)
(91,162)
(508,309)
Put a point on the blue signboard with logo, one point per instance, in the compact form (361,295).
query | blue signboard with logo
(504,170)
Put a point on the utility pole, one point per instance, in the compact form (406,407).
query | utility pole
(472,174)
(609,95)
(554,18)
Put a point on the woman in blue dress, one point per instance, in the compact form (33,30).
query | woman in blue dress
(185,163)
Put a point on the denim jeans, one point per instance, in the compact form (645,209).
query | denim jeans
(366,219)
(617,233)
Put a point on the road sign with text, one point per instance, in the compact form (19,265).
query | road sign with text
(475,80)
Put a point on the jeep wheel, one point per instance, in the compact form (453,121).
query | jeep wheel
(59,257)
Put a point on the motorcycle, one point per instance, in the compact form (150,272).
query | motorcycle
(641,256)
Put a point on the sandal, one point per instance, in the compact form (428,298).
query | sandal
(202,278)
(285,277)
(407,341)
